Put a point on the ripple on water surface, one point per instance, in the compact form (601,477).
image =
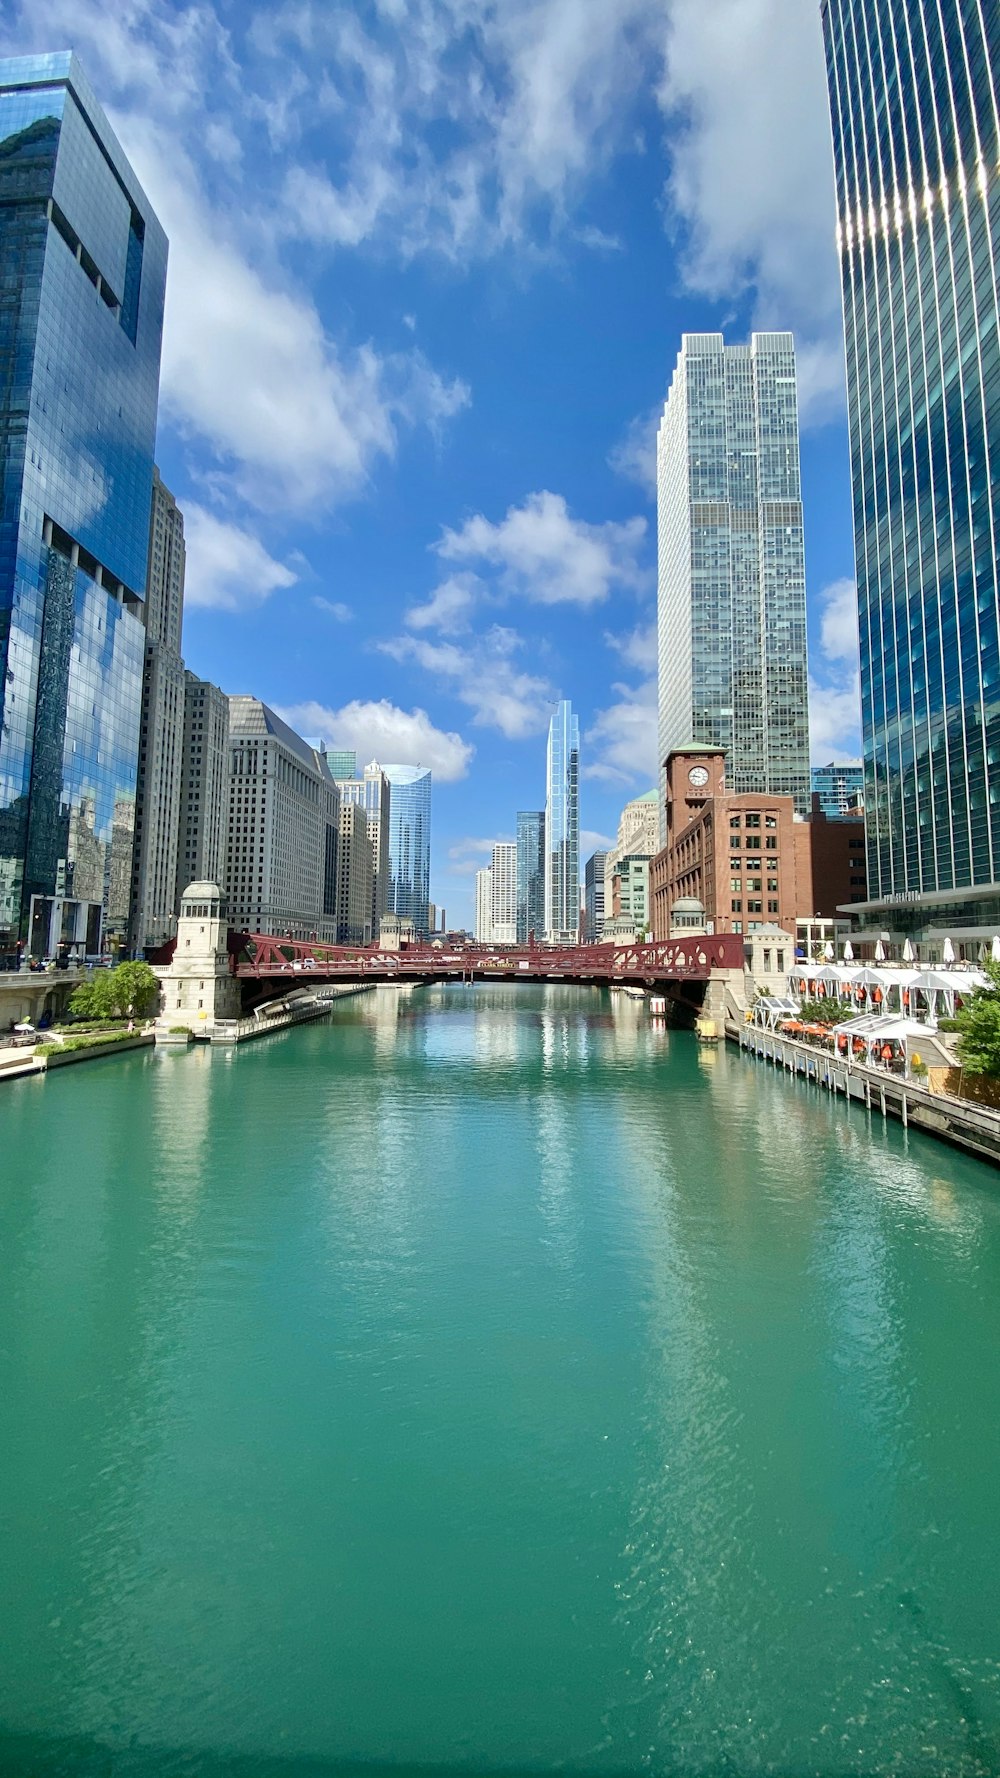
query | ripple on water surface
(488,1379)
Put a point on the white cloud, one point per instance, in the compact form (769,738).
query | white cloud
(542,553)
(634,455)
(469,855)
(380,730)
(227,567)
(334,608)
(448,606)
(484,675)
(638,648)
(752,178)
(621,744)
(834,684)
(592,841)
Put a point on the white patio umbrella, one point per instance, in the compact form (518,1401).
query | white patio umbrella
(948,951)
(828,951)
(981,954)
(880,952)
(995,948)
(848,951)
(910,955)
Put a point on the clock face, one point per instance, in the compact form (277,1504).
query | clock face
(698,776)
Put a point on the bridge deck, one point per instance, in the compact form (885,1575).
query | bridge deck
(674,960)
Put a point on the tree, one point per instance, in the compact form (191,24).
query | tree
(979,1025)
(119,993)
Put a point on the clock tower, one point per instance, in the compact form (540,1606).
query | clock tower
(694,776)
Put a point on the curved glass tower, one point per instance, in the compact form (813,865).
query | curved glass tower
(409,844)
(562,828)
(914,100)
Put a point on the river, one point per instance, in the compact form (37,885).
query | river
(487,1379)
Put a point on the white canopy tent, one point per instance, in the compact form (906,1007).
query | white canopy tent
(770,1009)
(875,1029)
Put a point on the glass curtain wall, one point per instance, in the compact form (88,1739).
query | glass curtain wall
(562,828)
(409,844)
(530,874)
(82,276)
(914,87)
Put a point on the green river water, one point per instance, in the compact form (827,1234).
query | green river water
(488,1381)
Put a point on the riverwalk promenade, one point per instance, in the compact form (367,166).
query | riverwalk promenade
(973,1127)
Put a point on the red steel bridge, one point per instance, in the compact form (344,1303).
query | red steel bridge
(676,960)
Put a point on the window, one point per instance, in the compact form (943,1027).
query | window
(772,884)
(754,907)
(753,842)
(737,907)
(753,820)
(734,821)
(735,885)
(771,843)
(772,907)
(771,821)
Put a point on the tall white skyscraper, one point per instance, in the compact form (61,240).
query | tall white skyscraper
(504,893)
(562,827)
(732,595)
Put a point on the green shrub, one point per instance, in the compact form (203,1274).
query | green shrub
(949,1025)
(92,1041)
(179,1030)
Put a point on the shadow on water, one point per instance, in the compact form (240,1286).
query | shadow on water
(42,1756)
(983,1746)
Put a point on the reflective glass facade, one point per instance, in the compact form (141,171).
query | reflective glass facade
(530,874)
(562,827)
(82,276)
(838,787)
(732,664)
(914,100)
(409,844)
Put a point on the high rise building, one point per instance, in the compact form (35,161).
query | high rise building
(152,916)
(82,275)
(409,844)
(355,876)
(503,871)
(731,564)
(593,898)
(284,813)
(484,906)
(342,761)
(914,98)
(637,837)
(562,827)
(204,803)
(839,787)
(530,874)
(372,792)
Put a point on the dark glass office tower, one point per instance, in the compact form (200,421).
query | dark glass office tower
(914,100)
(82,275)
(409,844)
(530,874)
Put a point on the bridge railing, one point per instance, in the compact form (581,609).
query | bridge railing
(687,958)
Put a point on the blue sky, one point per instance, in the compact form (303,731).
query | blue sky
(430,265)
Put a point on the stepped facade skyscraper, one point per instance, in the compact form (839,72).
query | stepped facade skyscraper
(914,91)
(562,827)
(732,657)
(82,271)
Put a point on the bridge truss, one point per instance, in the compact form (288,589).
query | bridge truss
(685,959)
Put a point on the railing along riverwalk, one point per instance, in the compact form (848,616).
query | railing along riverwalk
(278,1017)
(972,1127)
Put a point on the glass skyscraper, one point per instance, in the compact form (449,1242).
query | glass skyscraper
(530,874)
(82,276)
(409,844)
(732,658)
(914,91)
(562,827)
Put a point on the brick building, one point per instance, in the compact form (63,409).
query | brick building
(749,859)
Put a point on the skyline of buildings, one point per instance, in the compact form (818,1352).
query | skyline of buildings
(114,774)
(731,594)
(916,141)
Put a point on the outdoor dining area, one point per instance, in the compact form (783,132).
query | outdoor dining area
(877,1014)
